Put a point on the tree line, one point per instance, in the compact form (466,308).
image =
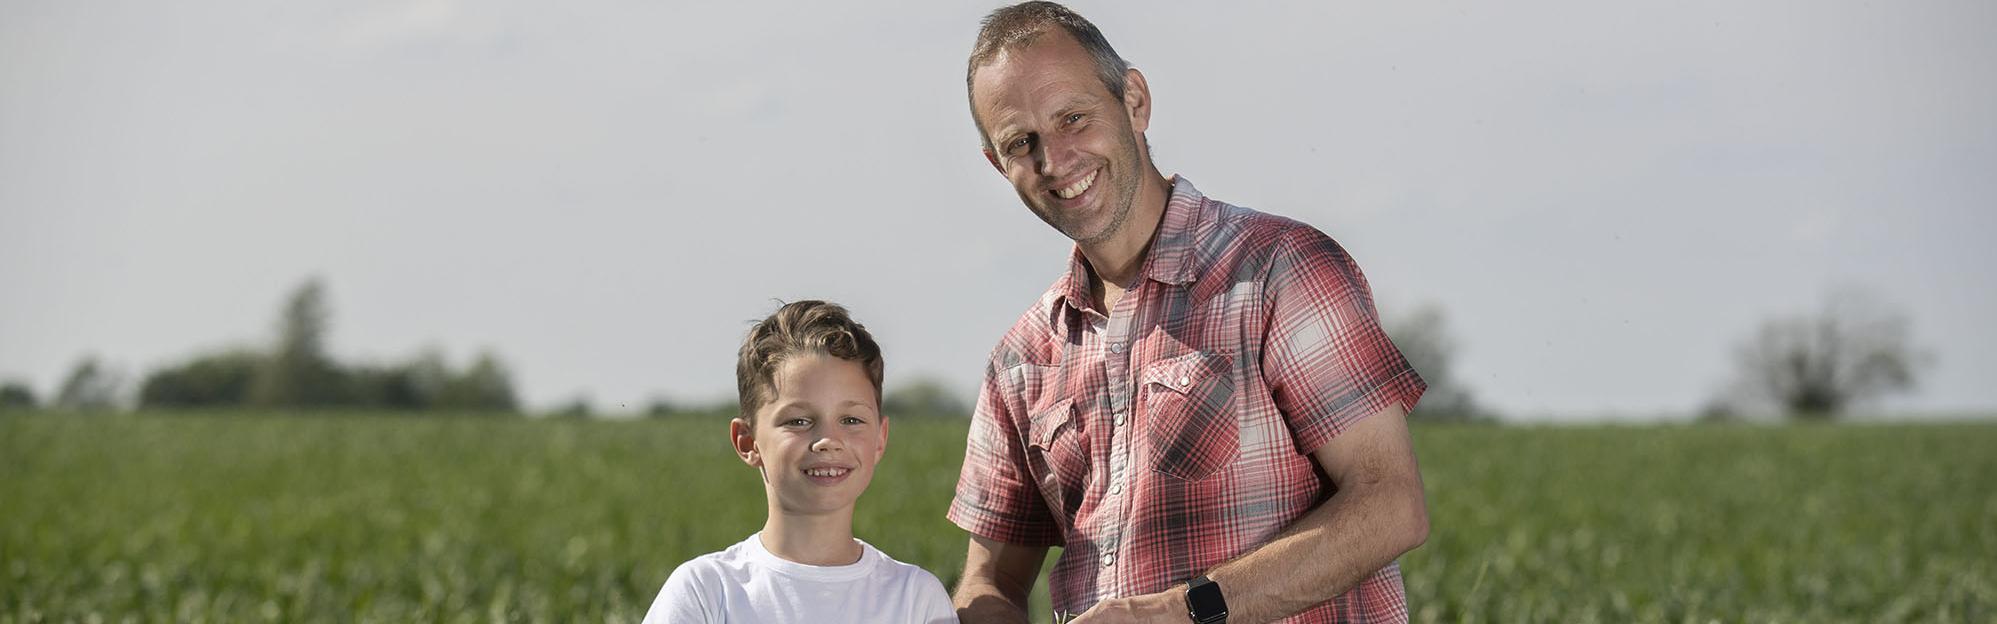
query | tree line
(1810,367)
(294,371)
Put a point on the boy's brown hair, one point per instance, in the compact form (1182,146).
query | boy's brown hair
(802,327)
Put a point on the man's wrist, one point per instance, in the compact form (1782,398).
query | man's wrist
(1203,601)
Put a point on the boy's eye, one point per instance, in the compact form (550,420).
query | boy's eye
(796,422)
(855,420)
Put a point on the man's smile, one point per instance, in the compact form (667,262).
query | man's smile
(1078,187)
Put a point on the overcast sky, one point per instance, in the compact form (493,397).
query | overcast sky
(1603,197)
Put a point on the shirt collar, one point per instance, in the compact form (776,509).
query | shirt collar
(1170,257)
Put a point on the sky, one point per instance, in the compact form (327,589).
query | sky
(1603,198)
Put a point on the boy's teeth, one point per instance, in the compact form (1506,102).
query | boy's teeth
(1077,188)
(826,472)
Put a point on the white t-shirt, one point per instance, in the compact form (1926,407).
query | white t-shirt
(748,584)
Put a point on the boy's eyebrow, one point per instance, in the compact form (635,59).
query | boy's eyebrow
(871,407)
(800,404)
(792,406)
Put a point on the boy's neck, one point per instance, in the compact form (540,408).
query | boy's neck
(820,540)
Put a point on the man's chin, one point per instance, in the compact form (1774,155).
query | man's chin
(1101,229)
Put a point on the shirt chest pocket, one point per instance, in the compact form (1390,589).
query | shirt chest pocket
(1191,428)
(1058,456)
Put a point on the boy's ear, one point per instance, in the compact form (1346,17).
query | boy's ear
(881,450)
(743,436)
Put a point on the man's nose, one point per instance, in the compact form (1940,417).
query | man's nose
(1055,152)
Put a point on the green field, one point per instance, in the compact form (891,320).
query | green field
(371,518)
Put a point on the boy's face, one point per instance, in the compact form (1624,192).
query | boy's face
(818,440)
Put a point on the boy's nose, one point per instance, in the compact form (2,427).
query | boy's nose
(824,444)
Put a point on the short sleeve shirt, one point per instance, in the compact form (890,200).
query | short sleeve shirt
(1175,433)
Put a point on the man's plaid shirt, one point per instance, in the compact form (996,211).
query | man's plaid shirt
(1175,434)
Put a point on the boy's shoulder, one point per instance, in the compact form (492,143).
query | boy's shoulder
(890,566)
(734,560)
(697,590)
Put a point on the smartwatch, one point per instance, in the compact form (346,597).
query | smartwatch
(1204,603)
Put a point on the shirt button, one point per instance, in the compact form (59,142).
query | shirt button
(1116,488)
(1119,419)
(1185,381)
(1109,559)
(1115,347)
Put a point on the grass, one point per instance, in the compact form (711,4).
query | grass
(211,517)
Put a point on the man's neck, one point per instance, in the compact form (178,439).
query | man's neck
(817,539)
(1116,261)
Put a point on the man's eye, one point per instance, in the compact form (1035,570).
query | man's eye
(1017,144)
(1074,118)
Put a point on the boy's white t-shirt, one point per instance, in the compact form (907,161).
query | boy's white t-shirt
(746,583)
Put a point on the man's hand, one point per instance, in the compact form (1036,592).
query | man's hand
(1166,607)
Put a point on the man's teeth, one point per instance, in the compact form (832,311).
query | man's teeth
(1078,187)
(827,472)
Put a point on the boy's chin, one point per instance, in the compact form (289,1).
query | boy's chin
(825,500)
(814,508)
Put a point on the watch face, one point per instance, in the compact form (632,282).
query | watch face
(1203,599)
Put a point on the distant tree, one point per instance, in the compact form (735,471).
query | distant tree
(1423,338)
(427,382)
(430,375)
(393,387)
(1815,367)
(924,396)
(298,372)
(577,409)
(661,407)
(15,395)
(89,386)
(485,387)
(219,379)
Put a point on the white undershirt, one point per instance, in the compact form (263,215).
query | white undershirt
(746,583)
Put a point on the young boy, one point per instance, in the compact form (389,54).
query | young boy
(809,379)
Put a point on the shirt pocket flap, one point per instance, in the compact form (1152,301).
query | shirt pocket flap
(1183,373)
(1044,425)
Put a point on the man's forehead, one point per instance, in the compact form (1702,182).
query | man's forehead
(1018,79)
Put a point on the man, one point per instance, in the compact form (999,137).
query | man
(1204,412)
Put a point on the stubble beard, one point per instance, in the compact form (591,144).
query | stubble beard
(1125,178)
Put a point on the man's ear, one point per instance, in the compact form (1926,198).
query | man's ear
(992,157)
(743,436)
(1137,100)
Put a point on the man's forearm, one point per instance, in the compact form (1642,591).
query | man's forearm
(997,578)
(1326,553)
(982,602)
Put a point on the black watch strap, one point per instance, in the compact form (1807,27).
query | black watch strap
(1204,602)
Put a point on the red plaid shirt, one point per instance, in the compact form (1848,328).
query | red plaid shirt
(1175,434)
